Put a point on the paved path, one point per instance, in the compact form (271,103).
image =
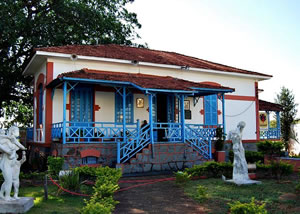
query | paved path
(161,197)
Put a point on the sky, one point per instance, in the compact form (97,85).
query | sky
(256,35)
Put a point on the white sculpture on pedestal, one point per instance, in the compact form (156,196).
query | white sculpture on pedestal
(9,164)
(240,168)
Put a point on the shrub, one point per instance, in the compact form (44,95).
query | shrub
(211,169)
(277,169)
(70,181)
(249,208)
(106,184)
(270,148)
(54,165)
(201,193)
(251,157)
(182,177)
(280,169)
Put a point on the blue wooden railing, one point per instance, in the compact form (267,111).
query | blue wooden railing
(134,144)
(271,133)
(199,137)
(172,131)
(93,131)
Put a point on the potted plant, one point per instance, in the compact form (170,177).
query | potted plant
(219,145)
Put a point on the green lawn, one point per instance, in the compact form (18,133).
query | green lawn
(269,192)
(55,204)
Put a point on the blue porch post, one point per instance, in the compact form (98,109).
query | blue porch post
(223,111)
(64,111)
(278,124)
(124,114)
(150,96)
(182,117)
(268,118)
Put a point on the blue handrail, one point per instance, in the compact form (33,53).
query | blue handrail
(271,133)
(134,144)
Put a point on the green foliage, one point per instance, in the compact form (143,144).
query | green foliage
(33,175)
(288,114)
(54,165)
(182,177)
(219,144)
(106,184)
(251,157)
(70,181)
(280,169)
(31,24)
(20,113)
(211,169)
(273,148)
(247,208)
(201,193)
(86,171)
(298,185)
(276,169)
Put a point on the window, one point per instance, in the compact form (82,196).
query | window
(211,110)
(41,95)
(89,160)
(81,104)
(128,109)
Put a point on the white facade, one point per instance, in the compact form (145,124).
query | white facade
(240,106)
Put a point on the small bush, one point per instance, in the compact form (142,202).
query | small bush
(211,169)
(277,169)
(182,177)
(247,208)
(280,169)
(219,144)
(70,181)
(54,165)
(270,148)
(251,157)
(201,193)
(106,184)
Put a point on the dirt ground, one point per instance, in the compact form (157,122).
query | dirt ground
(160,197)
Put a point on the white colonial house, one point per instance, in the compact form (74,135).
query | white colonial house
(140,109)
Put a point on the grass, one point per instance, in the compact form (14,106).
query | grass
(219,194)
(63,203)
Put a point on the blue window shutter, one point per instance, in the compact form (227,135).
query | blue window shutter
(211,110)
(81,105)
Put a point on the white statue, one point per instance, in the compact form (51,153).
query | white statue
(9,164)
(240,168)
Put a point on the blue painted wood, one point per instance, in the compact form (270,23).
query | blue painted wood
(182,113)
(119,108)
(211,110)
(150,97)
(124,114)
(278,120)
(64,110)
(223,113)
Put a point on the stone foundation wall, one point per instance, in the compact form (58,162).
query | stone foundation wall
(167,157)
(73,153)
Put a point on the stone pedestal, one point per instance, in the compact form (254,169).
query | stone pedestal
(21,205)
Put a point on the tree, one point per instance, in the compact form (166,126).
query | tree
(28,24)
(288,114)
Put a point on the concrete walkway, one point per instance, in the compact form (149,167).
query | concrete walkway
(161,197)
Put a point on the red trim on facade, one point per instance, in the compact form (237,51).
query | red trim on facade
(237,97)
(39,81)
(49,104)
(257,111)
(211,83)
(90,152)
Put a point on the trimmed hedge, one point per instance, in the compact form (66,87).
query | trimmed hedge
(211,169)
(251,157)
(272,148)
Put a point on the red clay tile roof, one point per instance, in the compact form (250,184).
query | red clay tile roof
(144,55)
(268,106)
(142,80)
